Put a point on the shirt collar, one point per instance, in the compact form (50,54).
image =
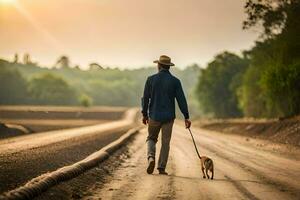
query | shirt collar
(164,70)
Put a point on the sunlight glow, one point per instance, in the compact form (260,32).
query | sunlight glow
(46,34)
(8,1)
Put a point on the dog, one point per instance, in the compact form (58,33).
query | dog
(207,165)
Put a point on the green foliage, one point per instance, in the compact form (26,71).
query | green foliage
(85,100)
(12,85)
(249,93)
(218,84)
(114,93)
(51,89)
(270,86)
(281,85)
(111,87)
(272,15)
(250,96)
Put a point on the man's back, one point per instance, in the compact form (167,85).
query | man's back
(160,92)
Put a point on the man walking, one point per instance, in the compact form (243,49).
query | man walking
(158,109)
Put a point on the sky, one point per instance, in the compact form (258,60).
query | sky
(123,33)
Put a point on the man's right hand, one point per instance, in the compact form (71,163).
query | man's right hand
(188,123)
(145,120)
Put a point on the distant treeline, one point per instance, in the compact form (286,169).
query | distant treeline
(64,85)
(265,80)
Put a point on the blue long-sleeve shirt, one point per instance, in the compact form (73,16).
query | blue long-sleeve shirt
(160,92)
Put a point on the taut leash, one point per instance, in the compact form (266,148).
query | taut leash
(194,143)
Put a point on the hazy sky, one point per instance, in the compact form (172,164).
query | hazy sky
(126,33)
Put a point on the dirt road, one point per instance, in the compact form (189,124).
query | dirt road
(244,169)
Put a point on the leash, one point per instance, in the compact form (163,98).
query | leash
(194,143)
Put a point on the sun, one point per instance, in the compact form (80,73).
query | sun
(8,1)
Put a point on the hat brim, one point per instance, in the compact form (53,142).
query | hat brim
(168,64)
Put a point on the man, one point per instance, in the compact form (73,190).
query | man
(158,109)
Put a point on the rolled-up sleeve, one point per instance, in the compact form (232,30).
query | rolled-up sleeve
(146,98)
(181,100)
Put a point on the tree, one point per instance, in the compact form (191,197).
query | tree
(95,66)
(119,92)
(281,84)
(13,88)
(250,94)
(63,62)
(52,90)
(16,58)
(85,100)
(26,59)
(217,85)
(272,15)
(270,87)
(280,22)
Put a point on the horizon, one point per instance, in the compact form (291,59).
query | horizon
(196,31)
(85,68)
(105,67)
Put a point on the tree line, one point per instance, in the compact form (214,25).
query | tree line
(27,83)
(265,80)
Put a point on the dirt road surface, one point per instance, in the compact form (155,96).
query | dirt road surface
(244,169)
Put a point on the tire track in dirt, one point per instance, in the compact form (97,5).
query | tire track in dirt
(242,189)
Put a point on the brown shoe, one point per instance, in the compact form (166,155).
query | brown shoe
(151,165)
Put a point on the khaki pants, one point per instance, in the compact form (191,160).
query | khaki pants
(153,131)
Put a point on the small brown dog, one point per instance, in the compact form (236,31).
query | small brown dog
(206,163)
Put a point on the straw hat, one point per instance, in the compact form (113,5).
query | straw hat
(164,60)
